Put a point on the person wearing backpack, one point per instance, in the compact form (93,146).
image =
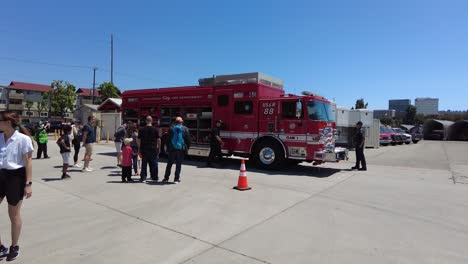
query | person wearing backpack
(178,144)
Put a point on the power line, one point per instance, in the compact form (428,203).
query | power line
(131,76)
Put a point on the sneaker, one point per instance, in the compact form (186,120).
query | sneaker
(87,169)
(165,180)
(66,177)
(354,168)
(13,254)
(3,251)
(130,180)
(177,181)
(78,165)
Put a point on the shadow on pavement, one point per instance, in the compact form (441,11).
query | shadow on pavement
(51,179)
(108,167)
(234,164)
(115,173)
(110,154)
(133,182)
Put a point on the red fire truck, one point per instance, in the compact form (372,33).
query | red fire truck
(261,122)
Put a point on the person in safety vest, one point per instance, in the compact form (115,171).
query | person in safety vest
(40,136)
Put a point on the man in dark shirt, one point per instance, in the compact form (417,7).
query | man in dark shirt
(215,144)
(149,145)
(89,138)
(359,141)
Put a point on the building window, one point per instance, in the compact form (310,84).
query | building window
(44,114)
(243,107)
(223,100)
(29,113)
(16,101)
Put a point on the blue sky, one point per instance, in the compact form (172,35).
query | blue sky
(343,50)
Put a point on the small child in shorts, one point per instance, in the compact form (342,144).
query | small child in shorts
(64,143)
(127,156)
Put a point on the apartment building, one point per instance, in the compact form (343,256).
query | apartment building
(16,96)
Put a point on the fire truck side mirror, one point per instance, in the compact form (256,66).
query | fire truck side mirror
(298,109)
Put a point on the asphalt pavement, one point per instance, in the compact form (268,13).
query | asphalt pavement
(411,206)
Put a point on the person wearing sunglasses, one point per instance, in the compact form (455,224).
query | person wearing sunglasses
(15,175)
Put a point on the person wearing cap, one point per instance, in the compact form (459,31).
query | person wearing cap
(126,163)
(41,137)
(149,146)
(216,143)
(178,144)
(359,142)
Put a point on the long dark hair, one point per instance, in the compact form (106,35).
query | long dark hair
(15,121)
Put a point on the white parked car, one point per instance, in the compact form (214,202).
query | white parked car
(408,137)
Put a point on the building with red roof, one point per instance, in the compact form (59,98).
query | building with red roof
(17,94)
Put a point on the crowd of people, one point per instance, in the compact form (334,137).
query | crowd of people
(136,148)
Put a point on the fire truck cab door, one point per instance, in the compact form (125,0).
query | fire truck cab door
(291,126)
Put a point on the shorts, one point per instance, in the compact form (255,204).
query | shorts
(89,149)
(67,158)
(118,147)
(12,183)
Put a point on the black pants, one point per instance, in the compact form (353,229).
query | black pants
(175,156)
(360,158)
(41,147)
(215,151)
(77,151)
(126,173)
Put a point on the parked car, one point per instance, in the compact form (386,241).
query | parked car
(406,137)
(385,137)
(396,138)
(29,126)
(416,133)
(54,125)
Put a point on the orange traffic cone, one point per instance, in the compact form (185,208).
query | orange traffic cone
(242,184)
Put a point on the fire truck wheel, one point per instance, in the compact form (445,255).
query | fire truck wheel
(269,155)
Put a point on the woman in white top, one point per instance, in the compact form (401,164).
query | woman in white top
(15,174)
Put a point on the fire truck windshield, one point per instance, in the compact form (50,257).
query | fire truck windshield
(320,111)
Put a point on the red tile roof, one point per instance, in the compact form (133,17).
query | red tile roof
(87,92)
(29,86)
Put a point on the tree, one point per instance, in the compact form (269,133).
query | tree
(41,107)
(419,119)
(360,104)
(29,105)
(108,90)
(62,97)
(386,120)
(410,115)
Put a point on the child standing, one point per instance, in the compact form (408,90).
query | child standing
(127,155)
(64,143)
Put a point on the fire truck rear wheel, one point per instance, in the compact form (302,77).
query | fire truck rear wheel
(269,155)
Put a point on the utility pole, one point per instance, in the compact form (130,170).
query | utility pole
(112,58)
(94,82)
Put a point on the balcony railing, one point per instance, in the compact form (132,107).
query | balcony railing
(16,96)
(16,107)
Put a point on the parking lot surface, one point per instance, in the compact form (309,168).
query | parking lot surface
(411,206)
